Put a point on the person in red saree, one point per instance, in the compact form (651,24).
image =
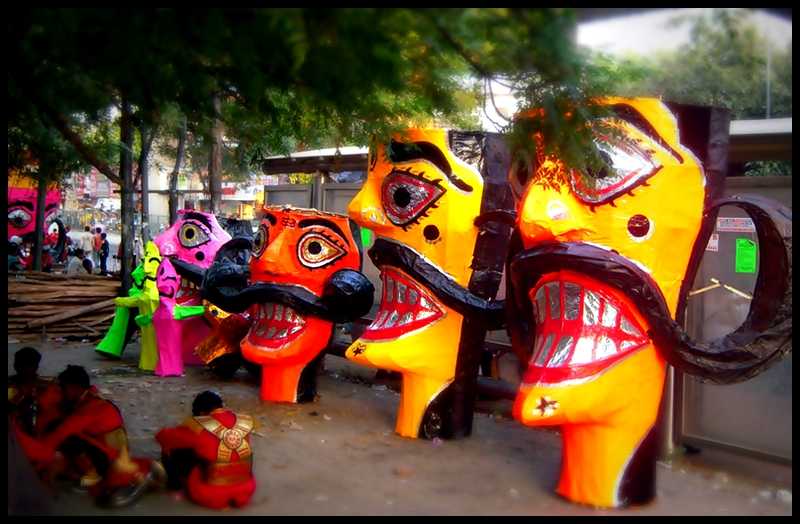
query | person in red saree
(209,454)
(91,441)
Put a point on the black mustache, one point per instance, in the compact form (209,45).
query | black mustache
(346,296)
(384,252)
(734,357)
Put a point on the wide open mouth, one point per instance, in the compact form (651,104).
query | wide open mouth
(275,325)
(187,292)
(581,330)
(405,307)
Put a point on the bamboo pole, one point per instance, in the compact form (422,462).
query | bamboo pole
(71,313)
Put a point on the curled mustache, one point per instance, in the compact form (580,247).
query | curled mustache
(347,294)
(385,252)
(763,338)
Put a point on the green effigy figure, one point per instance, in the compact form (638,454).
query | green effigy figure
(113,344)
(147,302)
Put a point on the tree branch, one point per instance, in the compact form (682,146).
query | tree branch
(62,125)
(455,44)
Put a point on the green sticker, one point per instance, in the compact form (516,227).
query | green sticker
(366,237)
(745,255)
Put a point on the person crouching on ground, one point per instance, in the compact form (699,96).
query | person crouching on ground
(92,443)
(33,401)
(210,455)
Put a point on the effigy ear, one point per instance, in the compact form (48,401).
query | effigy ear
(766,334)
(225,280)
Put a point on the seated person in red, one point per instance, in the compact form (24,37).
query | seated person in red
(33,401)
(210,454)
(92,441)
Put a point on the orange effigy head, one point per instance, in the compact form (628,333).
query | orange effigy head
(592,361)
(303,249)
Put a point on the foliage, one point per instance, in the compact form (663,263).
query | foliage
(305,78)
(723,64)
(40,152)
(768,168)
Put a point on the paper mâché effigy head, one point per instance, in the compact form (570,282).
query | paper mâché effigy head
(194,239)
(304,276)
(597,288)
(440,208)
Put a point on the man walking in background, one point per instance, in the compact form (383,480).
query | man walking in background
(104,249)
(97,241)
(85,242)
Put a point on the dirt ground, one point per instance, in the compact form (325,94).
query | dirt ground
(339,455)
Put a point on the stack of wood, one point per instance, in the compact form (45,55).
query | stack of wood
(60,306)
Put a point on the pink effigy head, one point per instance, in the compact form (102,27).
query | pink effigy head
(194,238)
(22,208)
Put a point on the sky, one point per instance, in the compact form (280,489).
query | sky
(642,33)
(648,32)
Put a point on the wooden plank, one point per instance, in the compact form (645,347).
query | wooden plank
(71,313)
(83,326)
(105,318)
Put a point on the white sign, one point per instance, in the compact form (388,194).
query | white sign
(713,242)
(735,225)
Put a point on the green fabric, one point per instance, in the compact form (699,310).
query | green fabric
(114,342)
(143,320)
(148,303)
(181,312)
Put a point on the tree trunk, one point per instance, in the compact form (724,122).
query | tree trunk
(173,177)
(215,159)
(127,191)
(38,242)
(147,134)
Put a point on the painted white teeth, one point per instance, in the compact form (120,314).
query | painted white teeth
(423,314)
(583,350)
(392,320)
(413,296)
(271,332)
(591,308)
(295,329)
(554,298)
(401,292)
(405,319)
(282,334)
(382,314)
(267,308)
(425,303)
(629,328)
(544,350)
(278,311)
(605,347)
(609,318)
(561,352)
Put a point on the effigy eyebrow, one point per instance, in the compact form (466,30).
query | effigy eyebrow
(199,218)
(323,222)
(21,203)
(405,152)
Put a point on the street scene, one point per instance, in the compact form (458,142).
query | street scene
(395,261)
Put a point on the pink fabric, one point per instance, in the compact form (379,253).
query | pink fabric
(168,330)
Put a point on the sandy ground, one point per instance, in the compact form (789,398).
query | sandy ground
(339,455)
